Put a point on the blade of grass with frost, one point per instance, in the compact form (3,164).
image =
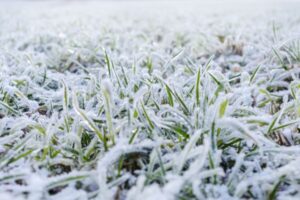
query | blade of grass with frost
(272,194)
(198,88)
(233,123)
(90,148)
(19,94)
(223,107)
(173,129)
(258,121)
(177,55)
(65,179)
(208,63)
(169,91)
(39,128)
(268,95)
(66,96)
(254,74)
(274,30)
(178,130)
(44,77)
(180,52)
(152,162)
(116,75)
(119,181)
(120,165)
(285,125)
(16,153)
(9,108)
(217,91)
(42,157)
(190,65)
(190,91)
(150,123)
(80,66)
(88,121)
(167,109)
(234,172)
(293,93)
(279,58)
(170,96)
(275,121)
(12,177)
(216,80)
(108,111)
(234,78)
(133,67)
(294,88)
(181,102)
(213,137)
(107,62)
(22,155)
(161,163)
(181,159)
(125,76)
(149,64)
(189,70)
(212,166)
(66,105)
(293,50)
(134,133)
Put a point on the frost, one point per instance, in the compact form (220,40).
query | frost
(149,100)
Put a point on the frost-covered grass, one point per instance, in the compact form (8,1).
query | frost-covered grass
(139,101)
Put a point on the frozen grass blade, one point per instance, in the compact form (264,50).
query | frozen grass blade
(198,87)
(254,74)
(108,111)
(170,96)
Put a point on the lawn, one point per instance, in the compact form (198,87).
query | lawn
(149,100)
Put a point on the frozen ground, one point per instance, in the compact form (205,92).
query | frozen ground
(140,100)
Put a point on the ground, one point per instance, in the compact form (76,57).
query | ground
(149,100)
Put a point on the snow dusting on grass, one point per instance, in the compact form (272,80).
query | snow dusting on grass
(139,100)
